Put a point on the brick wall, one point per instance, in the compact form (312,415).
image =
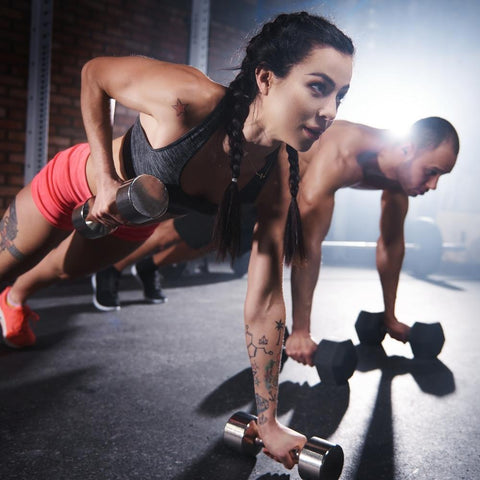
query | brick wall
(14,47)
(87,29)
(81,30)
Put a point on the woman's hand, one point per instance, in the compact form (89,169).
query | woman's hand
(281,443)
(104,209)
(301,347)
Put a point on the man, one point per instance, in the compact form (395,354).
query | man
(354,155)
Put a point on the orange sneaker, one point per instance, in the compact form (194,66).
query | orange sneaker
(14,321)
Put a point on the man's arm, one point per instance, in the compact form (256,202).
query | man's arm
(316,213)
(389,257)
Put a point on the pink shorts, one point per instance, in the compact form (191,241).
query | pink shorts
(62,185)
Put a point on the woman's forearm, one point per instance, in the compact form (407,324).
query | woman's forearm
(264,334)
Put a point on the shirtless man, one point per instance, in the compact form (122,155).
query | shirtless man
(358,156)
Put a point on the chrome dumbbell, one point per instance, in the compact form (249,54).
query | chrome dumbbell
(318,459)
(139,200)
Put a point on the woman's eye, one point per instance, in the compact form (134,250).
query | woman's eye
(319,88)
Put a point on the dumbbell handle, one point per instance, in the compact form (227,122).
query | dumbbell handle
(139,200)
(259,443)
(318,460)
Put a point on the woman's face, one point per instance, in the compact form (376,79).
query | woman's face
(422,172)
(302,105)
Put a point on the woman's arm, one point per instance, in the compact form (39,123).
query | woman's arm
(265,324)
(151,87)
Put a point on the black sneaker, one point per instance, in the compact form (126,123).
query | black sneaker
(146,272)
(105,289)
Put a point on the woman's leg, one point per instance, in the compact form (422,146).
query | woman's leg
(25,236)
(163,237)
(105,282)
(180,253)
(74,257)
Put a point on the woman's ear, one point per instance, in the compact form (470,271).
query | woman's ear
(264,78)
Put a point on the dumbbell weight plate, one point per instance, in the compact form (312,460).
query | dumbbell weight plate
(370,327)
(240,433)
(320,459)
(426,339)
(142,199)
(335,361)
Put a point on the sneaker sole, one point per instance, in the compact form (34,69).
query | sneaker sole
(156,300)
(99,306)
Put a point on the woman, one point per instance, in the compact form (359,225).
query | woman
(192,134)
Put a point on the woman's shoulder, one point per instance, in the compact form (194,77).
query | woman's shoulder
(185,91)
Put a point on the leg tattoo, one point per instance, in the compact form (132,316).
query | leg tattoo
(8,232)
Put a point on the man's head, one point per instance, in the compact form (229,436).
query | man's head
(430,150)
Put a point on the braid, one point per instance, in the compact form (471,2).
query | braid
(227,229)
(293,239)
(279,45)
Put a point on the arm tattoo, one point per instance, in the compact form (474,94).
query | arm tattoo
(180,108)
(271,379)
(262,419)
(253,348)
(279,327)
(8,232)
(269,376)
(262,404)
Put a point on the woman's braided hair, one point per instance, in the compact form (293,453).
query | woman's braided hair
(280,44)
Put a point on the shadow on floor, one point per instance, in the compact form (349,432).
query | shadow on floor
(319,409)
(377,459)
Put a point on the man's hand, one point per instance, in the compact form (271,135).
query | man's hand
(397,330)
(301,347)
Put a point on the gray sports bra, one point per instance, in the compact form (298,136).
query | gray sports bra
(167,163)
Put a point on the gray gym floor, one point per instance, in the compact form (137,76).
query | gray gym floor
(144,393)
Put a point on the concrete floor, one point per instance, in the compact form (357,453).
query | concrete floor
(144,393)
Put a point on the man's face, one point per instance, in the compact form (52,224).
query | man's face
(421,173)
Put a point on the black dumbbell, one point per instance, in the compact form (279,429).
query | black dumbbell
(139,200)
(335,361)
(318,459)
(426,339)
